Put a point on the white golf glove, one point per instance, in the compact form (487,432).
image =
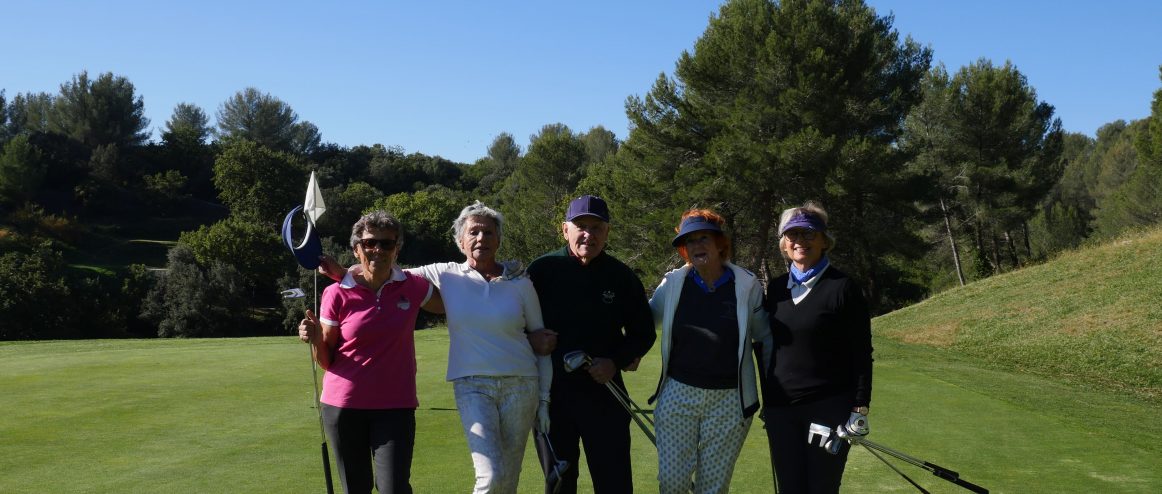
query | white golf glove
(542,424)
(857,424)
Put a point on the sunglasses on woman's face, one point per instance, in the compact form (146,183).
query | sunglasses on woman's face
(800,235)
(380,243)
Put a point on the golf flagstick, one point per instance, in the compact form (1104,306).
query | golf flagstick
(313,208)
(307,255)
(318,407)
(298,293)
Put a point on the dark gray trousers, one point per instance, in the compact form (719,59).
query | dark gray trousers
(360,437)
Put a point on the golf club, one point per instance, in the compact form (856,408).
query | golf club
(578,359)
(760,363)
(298,293)
(553,467)
(831,439)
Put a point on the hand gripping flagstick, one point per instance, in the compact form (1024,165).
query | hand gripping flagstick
(307,254)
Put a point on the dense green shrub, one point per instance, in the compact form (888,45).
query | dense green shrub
(191,300)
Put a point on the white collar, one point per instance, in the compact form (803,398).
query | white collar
(510,270)
(349,278)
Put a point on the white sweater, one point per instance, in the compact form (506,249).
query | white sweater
(487,321)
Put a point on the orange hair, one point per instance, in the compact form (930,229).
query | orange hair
(720,239)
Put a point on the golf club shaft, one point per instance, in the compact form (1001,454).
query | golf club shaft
(893,467)
(628,402)
(936,470)
(758,356)
(625,403)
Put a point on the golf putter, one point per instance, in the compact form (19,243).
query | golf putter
(553,467)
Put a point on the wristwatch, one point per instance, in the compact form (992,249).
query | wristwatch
(861,410)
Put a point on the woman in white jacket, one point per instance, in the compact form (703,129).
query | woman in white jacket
(709,312)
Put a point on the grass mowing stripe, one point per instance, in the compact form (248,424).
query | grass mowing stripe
(235,416)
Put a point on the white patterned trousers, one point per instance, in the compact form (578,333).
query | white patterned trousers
(497,413)
(700,434)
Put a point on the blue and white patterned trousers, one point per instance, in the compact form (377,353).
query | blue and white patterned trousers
(497,413)
(700,434)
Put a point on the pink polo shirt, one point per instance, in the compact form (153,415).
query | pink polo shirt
(375,362)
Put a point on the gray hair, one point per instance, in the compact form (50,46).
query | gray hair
(811,207)
(476,209)
(379,220)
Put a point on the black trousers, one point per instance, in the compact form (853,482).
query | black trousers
(359,437)
(587,413)
(803,468)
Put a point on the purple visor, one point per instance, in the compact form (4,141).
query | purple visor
(805,220)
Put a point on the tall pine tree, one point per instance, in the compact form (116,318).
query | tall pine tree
(779,103)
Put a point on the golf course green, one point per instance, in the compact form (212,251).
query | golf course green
(1046,379)
(235,415)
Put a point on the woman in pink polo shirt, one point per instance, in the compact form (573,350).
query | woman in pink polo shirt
(368,350)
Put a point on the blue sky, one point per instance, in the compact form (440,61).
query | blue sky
(445,77)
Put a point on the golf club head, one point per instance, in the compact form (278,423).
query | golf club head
(293,293)
(553,479)
(829,440)
(576,359)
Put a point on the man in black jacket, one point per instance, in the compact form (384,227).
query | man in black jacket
(594,303)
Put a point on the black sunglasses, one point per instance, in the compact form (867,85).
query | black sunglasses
(797,235)
(382,243)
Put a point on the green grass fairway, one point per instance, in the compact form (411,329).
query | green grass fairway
(236,416)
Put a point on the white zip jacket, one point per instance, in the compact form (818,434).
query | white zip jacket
(753,325)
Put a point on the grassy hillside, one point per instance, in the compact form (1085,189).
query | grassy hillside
(1091,317)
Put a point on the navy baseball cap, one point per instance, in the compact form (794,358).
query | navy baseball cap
(588,205)
(306,253)
(694,224)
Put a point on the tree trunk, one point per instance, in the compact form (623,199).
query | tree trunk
(952,241)
(1028,247)
(983,265)
(996,253)
(764,236)
(1012,250)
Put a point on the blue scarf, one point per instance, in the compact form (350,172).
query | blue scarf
(801,277)
(722,280)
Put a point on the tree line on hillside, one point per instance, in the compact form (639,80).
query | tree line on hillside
(933,179)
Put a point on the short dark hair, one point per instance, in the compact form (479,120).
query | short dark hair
(379,220)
